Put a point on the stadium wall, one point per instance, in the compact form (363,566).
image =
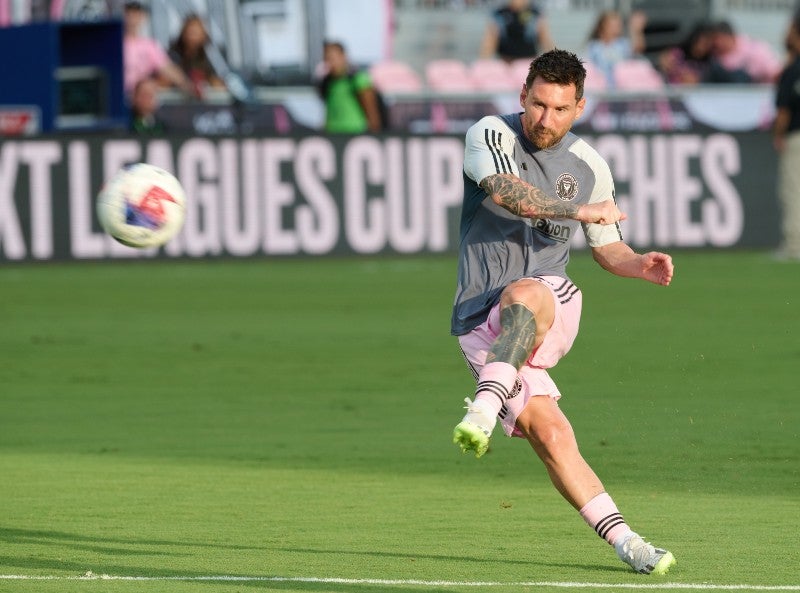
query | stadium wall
(316,195)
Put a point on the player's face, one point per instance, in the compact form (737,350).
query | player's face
(549,110)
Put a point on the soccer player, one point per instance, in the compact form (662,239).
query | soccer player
(516,311)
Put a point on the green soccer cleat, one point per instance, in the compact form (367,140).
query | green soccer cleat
(471,437)
(643,557)
(473,432)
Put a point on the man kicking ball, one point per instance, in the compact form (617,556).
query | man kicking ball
(516,311)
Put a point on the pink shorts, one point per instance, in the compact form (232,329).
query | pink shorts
(532,378)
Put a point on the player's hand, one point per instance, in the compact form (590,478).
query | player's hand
(657,268)
(605,212)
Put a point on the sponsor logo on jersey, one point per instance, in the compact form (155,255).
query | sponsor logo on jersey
(552,230)
(566,187)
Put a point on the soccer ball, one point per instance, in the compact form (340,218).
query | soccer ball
(142,206)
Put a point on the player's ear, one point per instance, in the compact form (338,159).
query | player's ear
(523,94)
(579,108)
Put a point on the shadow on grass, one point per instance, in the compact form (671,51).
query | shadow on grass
(97,544)
(348,587)
(115,546)
(452,558)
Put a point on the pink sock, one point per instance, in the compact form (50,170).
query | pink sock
(495,382)
(602,515)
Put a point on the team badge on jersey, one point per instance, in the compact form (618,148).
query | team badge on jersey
(566,187)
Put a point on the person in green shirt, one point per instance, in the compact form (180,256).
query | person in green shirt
(351,103)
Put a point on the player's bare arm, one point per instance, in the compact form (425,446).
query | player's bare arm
(523,199)
(618,258)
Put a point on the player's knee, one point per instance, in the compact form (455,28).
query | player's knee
(551,439)
(536,297)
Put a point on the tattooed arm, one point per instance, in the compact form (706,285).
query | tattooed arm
(523,199)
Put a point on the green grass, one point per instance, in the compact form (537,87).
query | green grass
(293,419)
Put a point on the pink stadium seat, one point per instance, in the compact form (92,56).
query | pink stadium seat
(519,70)
(637,75)
(449,76)
(395,77)
(493,76)
(595,79)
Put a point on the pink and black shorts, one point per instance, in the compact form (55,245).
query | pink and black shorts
(533,378)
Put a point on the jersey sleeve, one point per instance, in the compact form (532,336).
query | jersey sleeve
(598,235)
(489,149)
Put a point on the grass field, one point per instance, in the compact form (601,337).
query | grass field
(287,424)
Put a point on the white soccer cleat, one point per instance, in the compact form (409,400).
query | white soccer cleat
(643,557)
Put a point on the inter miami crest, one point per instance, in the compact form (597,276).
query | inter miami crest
(566,187)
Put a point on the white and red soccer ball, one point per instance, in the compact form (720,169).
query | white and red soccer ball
(142,206)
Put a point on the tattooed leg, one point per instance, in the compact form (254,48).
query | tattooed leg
(497,378)
(517,336)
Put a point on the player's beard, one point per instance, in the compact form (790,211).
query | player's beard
(544,137)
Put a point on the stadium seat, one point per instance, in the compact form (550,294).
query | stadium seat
(448,76)
(595,79)
(395,77)
(493,76)
(637,75)
(519,70)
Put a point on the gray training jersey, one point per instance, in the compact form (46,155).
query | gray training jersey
(498,247)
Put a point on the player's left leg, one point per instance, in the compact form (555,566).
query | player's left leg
(550,434)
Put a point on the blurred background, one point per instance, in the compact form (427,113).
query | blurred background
(231,95)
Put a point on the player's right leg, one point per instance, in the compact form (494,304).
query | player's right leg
(514,329)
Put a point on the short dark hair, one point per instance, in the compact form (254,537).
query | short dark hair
(559,66)
(724,27)
(135,6)
(333,45)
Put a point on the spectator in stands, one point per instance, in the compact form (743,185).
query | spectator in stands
(351,102)
(608,44)
(689,62)
(516,30)
(738,58)
(143,57)
(188,51)
(786,137)
(144,108)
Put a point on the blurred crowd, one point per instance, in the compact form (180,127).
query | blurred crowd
(149,67)
(517,30)
(615,51)
(714,52)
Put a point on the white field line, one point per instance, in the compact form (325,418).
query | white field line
(89,576)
